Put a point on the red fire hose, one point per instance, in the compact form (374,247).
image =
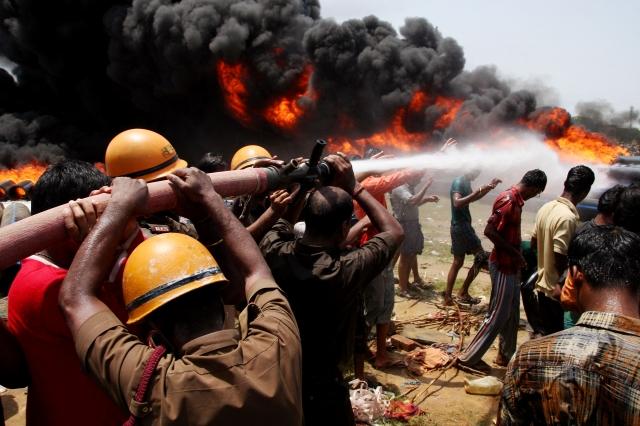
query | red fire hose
(36,233)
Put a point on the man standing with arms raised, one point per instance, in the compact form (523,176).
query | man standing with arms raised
(463,237)
(323,283)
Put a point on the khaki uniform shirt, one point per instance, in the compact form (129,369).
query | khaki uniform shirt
(226,377)
(556,224)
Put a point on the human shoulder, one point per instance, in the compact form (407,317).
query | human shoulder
(36,278)
(456,184)
(279,236)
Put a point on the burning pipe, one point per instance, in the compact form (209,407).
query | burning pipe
(5,186)
(21,190)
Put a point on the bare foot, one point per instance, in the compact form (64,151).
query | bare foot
(384,361)
(447,300)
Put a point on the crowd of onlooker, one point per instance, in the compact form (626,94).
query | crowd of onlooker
(248,310)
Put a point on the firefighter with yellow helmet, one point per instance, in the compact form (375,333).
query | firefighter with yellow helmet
(147,155)
(173,283)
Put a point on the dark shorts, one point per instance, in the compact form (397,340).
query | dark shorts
(379,297)
(413,243)
(464,239)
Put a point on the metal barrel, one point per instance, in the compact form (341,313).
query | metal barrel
(4,188)
(20,190)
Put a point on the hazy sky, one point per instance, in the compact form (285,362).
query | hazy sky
(583,50)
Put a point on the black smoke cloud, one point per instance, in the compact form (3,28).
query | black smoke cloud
(88,70)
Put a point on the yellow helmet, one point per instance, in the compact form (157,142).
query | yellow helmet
(163,268)
(142,154)
(247,156)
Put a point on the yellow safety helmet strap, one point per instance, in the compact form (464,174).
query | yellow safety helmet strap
(171,285)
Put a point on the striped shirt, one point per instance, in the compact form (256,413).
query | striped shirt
(587,374)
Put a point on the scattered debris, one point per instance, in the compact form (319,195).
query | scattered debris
(487,385)
(423,360)
(402,410)
(403,343)
(368,404)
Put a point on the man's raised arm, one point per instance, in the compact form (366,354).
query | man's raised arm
(93,261)
(380,217)
(235,247)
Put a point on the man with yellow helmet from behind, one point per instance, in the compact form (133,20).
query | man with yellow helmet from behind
(174,284)
(147,155)
(259,212)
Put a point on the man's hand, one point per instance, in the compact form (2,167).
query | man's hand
(342,172)
(494,182)
(557,292)
(431,199)
(79,217)
(281,199)
(129,195)
(191,186)
(448,144)
(382,156)
(268,162)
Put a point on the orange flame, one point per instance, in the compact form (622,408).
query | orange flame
(232,79)
(578,144)
(451,106)
(285,112)
(31,171)
(573,143)
(396,136)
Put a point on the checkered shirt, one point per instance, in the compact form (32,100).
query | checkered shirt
(587,374)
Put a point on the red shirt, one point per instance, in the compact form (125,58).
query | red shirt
(378,186)
(505,216)
(60,393)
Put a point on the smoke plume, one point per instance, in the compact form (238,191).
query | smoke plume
(85,71)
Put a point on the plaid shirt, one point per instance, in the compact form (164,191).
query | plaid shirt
(588,374)
(505,216)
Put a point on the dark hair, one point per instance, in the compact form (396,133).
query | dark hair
(535,179)
(65,181)
(327,208)
(627,213)
(609,199)
(607,255)
(579,180)
(199,307)
(212,163)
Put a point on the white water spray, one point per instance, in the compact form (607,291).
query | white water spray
(507,158)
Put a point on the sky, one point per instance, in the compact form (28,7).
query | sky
(578,50)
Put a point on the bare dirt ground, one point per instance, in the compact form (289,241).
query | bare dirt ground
(443,399)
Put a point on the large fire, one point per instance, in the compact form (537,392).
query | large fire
(31,171)
(232,79)
(573,143)
(285,112)
(396,136)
